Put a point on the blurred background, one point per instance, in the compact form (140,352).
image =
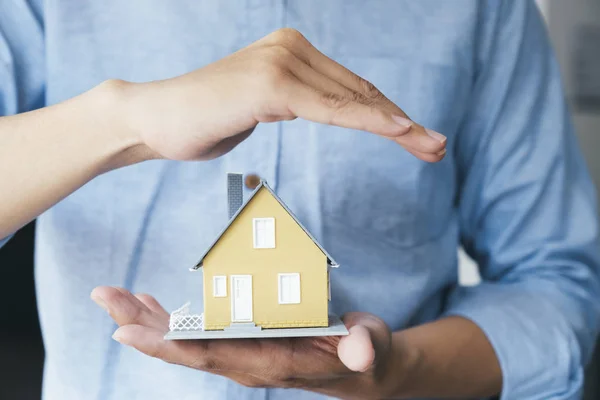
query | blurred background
(574,27)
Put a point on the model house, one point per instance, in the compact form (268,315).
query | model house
(264,269)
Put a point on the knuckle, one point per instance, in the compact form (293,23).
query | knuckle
(333,100)
(357,97)
(369,90)
(289,36)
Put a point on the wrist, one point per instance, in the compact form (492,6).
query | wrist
(403,368)
(123,144)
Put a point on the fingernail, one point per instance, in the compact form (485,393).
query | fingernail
(441,153)
(405,122)
(117,337)
(98,300)
(436,135)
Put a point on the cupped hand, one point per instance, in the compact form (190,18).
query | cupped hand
(353,366)
(207,112)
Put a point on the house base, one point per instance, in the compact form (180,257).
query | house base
(243,326)
(336,328)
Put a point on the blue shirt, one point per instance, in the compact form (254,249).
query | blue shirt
(513,189)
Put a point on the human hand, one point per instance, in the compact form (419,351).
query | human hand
(359,365)
(207,112)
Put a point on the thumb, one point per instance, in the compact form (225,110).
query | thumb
(369,339)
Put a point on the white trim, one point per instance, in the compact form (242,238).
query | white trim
(232,278)
(295,274)
(215,278)
(268,235)
(329,284)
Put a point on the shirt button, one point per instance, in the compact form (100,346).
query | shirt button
(252,181)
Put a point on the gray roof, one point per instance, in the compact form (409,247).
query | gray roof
(262,184)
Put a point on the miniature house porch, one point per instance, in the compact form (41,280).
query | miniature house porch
(264,269)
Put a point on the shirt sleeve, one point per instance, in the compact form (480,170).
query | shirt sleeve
(21,59)
(527,212)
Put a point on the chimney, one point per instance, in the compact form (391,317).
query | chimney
(235,194)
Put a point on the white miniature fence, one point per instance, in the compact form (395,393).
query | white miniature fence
(182,320)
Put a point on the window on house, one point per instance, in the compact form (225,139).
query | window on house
(219,286)
(289,288)
(264,233)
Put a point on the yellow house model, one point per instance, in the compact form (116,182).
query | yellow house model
(264,270)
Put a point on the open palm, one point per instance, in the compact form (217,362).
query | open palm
(350,367)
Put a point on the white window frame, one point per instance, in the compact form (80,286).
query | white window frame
(268,245)
(215,279)
(279,291)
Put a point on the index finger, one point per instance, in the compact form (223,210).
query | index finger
(306,52)
(328,108)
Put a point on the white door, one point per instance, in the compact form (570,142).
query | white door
(241,298)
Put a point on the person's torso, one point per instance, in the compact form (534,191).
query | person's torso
(386,217)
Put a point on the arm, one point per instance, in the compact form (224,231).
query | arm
(21,60)
(528,215)
(447,358)
(47,154)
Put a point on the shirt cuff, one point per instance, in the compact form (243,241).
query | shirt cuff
(536,347)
